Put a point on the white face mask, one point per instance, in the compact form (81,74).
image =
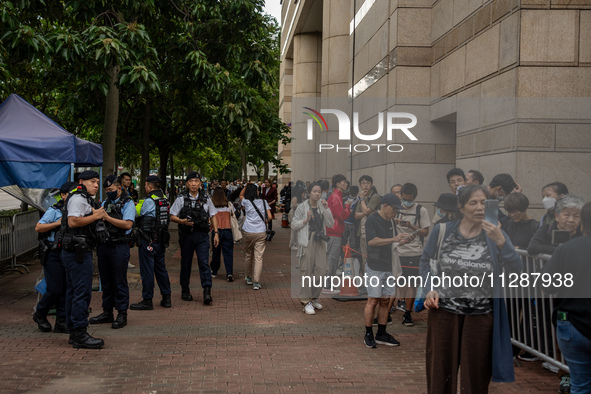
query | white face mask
(548,202)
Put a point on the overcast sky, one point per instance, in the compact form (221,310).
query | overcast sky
(274,8)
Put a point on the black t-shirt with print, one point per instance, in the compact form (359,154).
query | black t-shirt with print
(316,222)
(462,256)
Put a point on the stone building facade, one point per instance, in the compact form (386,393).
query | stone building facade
(498,86)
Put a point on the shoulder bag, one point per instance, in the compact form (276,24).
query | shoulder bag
(236,233)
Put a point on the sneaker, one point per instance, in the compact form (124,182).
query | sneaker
(564,384)
(256,286)
(248,280)
(407,320)
(370,341)
(387,339)
(309,309)
(550,367)
(401,305)
(528,357)
(214,275)
(316,304)
(375,320)
(230,278)
(129,265)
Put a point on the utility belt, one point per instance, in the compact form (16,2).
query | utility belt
(118,240)
(191,229)
(161,236)
(79,244)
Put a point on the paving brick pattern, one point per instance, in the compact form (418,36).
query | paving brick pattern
(248,341)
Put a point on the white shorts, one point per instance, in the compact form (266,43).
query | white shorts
(379,288)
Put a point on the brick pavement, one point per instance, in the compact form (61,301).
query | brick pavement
(248,341)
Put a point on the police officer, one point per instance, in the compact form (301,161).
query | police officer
(194,211)
(153,238)
(77,242)
(55,275)
(113,254)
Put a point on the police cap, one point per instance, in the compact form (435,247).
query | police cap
(192,175)
(67,187)
(88,174)
(153,179)
(109,181)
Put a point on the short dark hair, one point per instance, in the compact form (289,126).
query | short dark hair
(124,174)
(311,186)
(559,188)
(155,185)
(354,190)
(324,185)
(338,178)
(466,192)
(410,189)
(516,202)
(455,171)
(365,178)
(251,191)
(586,218)
(477,176)
(505,181)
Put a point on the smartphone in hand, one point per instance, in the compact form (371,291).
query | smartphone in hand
(491,211)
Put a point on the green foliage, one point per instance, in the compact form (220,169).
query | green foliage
(202,74)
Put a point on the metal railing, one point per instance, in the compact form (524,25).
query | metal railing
(17,237)
(530,316)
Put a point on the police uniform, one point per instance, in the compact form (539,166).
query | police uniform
(113,256)
(153,240)
(54,272)
(77,244)
(194,238)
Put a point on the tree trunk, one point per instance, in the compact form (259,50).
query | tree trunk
(244,168)
(163,151)
(172,184)
(266,170)
(145,151)
(110,126)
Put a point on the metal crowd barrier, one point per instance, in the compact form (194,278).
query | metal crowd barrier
(17,237)
(530,315)
(5,238)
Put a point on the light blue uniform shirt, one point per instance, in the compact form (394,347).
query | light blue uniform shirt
(52,215)
(128,211)
(148,208)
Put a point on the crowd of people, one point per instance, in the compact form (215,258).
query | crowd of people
(392,235)
(207,217)
(389,235)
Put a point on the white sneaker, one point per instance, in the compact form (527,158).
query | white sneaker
(309,309)
(316,304)
(129,265)
(550,367)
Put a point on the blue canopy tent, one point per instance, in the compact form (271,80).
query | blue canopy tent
(37,154)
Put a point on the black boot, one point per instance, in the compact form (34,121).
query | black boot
(165,303)
(105,317)
(207,300)
(42,322)
(71,339)
(144,305)
(61,327)
(82,339)
(186,294)
(121,320)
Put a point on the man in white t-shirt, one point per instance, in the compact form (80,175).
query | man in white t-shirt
(413,219)
(194,212)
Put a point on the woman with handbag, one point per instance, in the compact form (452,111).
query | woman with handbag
(468,325)
(309,222)
(225,214)
(255,233)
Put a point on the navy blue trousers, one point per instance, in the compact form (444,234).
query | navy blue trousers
(78,288)
(197,243)
(112,265)
(152,262)
(225,248)
(55,278)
